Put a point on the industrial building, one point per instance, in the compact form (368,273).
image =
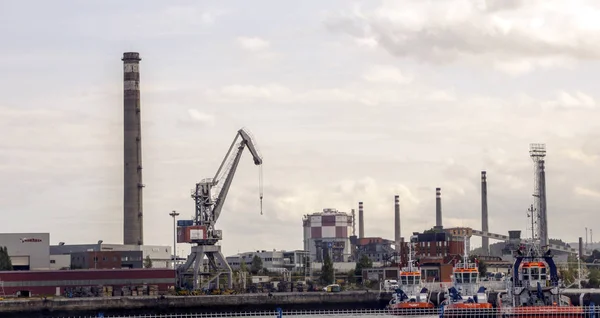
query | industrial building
(273,261)
(377,249)
(160,255)
(27,251)
(107,260)
(59,283)
(327,233)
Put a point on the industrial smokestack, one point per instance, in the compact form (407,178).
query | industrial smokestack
(133,229)
(438,208)
(580,247)
(397,219)
(361,221)
(543,213)
(485,241)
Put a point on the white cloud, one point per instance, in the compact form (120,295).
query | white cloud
(200,117)
(582,191)
(386,74)
(569,101)
(253,44)
(581,156)
(503,35)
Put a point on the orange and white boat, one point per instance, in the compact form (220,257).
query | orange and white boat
(533,290)
(466,296)
(411,297)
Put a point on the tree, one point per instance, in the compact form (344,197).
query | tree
(481,265)
(147,262)
(363,262)
(5,262)
(594,278)
(351,277)
(571,272)
(243,266)
(257,265)
(327,270)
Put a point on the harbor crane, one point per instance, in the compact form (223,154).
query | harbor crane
(209,196)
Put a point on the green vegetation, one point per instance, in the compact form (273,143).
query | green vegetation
(257,265)
(147,262)
(481,266)
(327,270)
(363,262)
(243,266)
(5,262)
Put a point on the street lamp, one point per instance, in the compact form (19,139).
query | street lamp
(174,215)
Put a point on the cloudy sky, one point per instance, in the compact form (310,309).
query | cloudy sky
(348,101)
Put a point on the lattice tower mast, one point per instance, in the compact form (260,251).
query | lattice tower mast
(539,212)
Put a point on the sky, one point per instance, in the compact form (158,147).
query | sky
(348,102)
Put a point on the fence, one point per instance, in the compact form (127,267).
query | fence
(524,312)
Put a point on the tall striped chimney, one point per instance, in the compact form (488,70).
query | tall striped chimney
(133,224)
(438,208)
(361,221)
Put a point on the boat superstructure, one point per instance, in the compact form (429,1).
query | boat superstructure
(534,289)
(466,293)
(410,296)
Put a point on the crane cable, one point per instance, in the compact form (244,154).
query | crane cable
(260,187)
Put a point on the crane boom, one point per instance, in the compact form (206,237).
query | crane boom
(231,168)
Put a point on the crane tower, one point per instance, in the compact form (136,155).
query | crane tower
(209,196)
(539,212)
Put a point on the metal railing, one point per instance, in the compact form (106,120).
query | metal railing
(540,312)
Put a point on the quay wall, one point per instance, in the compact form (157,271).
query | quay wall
(56,307)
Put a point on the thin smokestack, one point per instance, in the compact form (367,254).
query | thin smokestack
(133,225)
(485,241)
(580,247)
(543,213)
(361,221)
(397,219)
(438,208)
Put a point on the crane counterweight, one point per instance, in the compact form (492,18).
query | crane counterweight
(209,196)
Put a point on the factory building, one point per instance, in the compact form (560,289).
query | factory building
(27,251)
(437,251)
(327,233)
(273,261)
(160,255)
(107,260)
(377,249)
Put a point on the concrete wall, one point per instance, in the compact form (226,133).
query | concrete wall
(29,248)
(60,261)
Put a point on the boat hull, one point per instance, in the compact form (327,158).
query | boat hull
(412,308)
(471,310)
(542,312)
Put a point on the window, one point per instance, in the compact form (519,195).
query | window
(52,261)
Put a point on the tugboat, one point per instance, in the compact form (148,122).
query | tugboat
(411,297)
(466,296)
(534,290)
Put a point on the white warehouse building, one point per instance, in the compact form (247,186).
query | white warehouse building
(327,233)
(27,251)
